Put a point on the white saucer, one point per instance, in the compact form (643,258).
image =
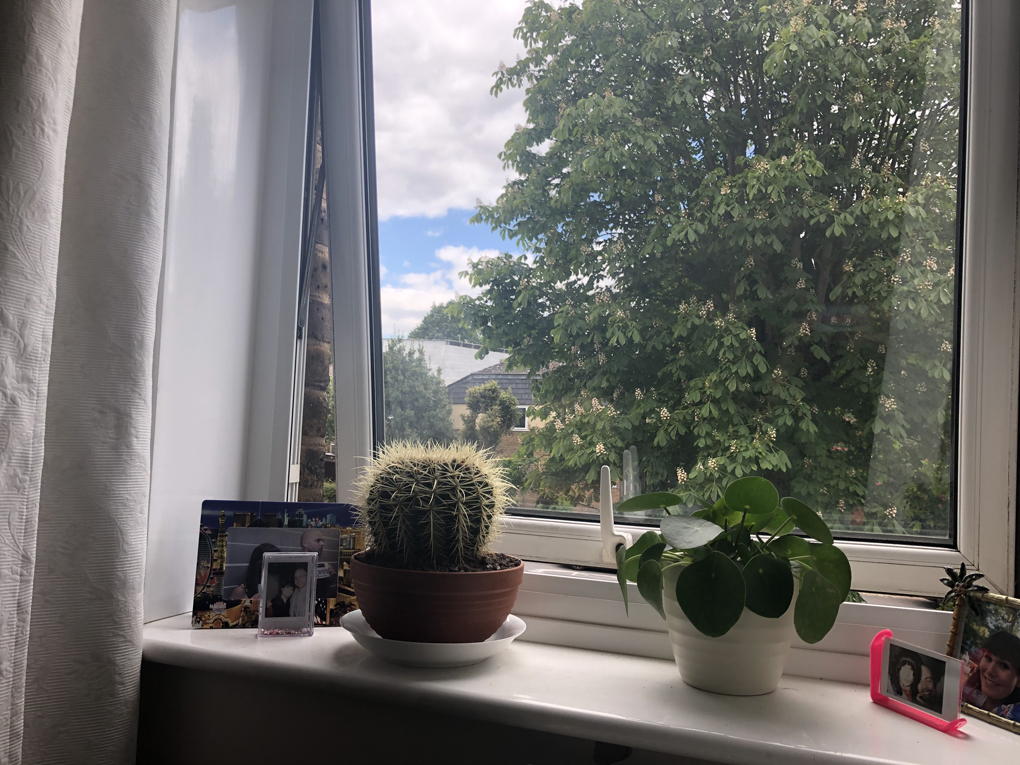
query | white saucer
(431,654)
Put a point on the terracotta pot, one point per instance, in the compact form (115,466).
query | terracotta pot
(435,606)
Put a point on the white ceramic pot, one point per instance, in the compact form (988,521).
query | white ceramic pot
(746,661)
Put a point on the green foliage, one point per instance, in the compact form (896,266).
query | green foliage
(729,564)
(431,507)
(416,404)
(961,586)
(329,491)
(740,220)
(331,414)
(491,414)
(440,323)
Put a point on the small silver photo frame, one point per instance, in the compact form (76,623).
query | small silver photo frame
(287,594)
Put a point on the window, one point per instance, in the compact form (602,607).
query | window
(521,423)
(722,256)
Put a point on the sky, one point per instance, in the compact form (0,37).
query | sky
(438,136)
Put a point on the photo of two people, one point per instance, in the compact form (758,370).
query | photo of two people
(287,594)
(286,589)
(916,678)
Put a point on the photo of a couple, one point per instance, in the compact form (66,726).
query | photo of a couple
(288,596)
(916,678)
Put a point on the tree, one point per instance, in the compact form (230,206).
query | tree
(491,414)
(741,226)
(416,403)
(440,324)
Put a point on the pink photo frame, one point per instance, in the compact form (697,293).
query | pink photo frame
(878,670)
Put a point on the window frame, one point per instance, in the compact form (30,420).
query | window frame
(988,378)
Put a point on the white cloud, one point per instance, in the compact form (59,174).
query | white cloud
(438,131)
(434,232)
(406,302)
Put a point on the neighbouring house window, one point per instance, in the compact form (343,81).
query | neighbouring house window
(521,423)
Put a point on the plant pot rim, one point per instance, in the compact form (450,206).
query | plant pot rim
(356,558)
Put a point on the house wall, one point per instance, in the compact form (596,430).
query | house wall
(459,410)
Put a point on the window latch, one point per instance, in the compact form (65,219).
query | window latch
(611,538)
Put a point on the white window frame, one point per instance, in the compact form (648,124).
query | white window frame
(987,442)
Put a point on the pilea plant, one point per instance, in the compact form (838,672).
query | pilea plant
(429,507)
(739,553)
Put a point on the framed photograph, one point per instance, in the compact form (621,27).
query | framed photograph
(233,539)
(924,680)
(988,642)
(287,590)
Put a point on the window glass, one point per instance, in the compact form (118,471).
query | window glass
(710,239)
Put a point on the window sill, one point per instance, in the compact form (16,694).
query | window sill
(627,700)
(584,609)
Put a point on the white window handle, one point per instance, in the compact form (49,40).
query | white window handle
(611,539)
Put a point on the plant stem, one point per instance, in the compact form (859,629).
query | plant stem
(769,540)
(741,528)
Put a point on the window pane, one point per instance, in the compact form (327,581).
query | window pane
(730,242)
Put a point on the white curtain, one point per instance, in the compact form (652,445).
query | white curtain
(84,132)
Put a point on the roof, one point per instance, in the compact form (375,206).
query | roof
(515,381)
(453,359)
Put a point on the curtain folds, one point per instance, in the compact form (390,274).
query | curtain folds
(84,134)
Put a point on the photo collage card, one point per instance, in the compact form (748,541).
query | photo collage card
(233,539)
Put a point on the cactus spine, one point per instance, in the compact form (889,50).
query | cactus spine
(431,507)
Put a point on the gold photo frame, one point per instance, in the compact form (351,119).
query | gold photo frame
(992,631)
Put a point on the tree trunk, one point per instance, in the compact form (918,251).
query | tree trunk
(317,365)
(955,629)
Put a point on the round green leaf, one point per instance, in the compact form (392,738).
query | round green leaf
(711,594)
(830,562)
(621,575)
(808,520)
(650,501)
(759,523)
(753,495)
(777,524)
(684,532)
(645,541)
(791,547)
(652,553)
(768,583)
(817,607)
(633,554)
(649,584)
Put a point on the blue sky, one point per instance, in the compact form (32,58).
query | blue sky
(421,259)
(438,137)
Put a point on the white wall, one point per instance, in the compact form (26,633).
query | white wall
(211,292)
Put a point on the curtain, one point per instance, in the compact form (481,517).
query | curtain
(84,134)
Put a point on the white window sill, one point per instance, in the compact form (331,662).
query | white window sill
(627,700)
